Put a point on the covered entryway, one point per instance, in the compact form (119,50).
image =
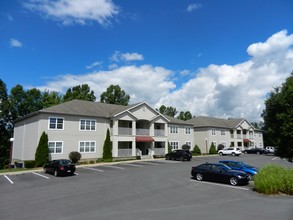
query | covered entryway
(144,144)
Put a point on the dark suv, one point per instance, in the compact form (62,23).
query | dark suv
(179,155)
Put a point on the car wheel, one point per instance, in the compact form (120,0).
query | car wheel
(168,158)
(221,154)
(233,154)
(245,152)
(181,159)
(188,159)
(250,176)
(233,181)
(199,177)
(55,173)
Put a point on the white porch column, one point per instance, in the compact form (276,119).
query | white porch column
(166,130)
(152,129)
(114,148)
(115,127)
(133,148)
(166,146)
(133,127)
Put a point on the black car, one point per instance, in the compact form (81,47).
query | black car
(60,167)
(255,151)
(179,155)
(219,173)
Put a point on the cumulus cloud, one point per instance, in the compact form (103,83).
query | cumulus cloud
(75,11)
(193,6)
(94,64)
(15,43)
(216,90)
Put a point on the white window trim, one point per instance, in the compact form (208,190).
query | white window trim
(213,131)
(174,142)
(188,128)
(90,152)
(86,119)
(63,124)
(55,146)
(187,143)
(176,129)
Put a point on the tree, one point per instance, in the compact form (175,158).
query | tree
(16,102)
(196,150)
(115,95)
(278,119)
(185,116)
(170,111)
(80,92)
(42,152)
(74,156)
(107,149)
(213,149)
(51,98)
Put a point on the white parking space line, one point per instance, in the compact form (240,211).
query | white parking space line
(76,174)
(94,169)
(168,161)
(218,184)
(121,168)
(275,158)
(9,179)
(149,163)
(132,165)
(41,175)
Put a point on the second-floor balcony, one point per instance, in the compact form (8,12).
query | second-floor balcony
(142,131)
(124,131)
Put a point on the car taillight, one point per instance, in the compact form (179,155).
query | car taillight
(61,167)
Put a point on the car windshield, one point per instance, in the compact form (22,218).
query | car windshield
(65,162)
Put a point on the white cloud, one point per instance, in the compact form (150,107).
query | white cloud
(95,64)
(118,57)
(75,11)
(217,90)
(192,7)
(15,43)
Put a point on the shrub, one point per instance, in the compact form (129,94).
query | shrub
(29,163)
(220,147)
(196,150)
(74,156)
(213,149)
(107,149)
(185,147)
(92,162)
(99,160)
(274,179)
(42,152)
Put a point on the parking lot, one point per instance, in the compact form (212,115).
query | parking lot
(156,189)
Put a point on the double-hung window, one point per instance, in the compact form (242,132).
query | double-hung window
(87,146)
(87,125)
(56,123)
(174,145)
(187,130)
(213,131)
(173,130)
(55,147)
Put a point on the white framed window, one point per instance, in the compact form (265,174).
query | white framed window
(213,131)
(173,130)
(174,145)
(87,125)
(56,123)
(87,146)
(55,147)
(187,130)
(223,132)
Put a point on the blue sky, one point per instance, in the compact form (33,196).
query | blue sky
(216,58)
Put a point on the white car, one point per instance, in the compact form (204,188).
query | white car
(270,150)
(233,151)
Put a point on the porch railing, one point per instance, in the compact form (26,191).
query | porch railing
(159,151)
(142,131)
(124,131)
(124,152)
(159,132)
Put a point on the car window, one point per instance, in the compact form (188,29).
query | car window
(65,162)
(205,167)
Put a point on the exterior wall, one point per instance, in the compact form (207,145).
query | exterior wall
(144,112)
(258,139)
(181,137)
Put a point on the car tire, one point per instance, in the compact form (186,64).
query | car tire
(233,181)
(245,152)
(188,159)
(199,177)
(168,158)
(221,154)
(250,176)
(55,173)
(181,158)
(233,154)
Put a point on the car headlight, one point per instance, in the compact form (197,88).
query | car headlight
(240,176)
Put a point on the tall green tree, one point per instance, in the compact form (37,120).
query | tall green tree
(170,111)
(16,101)
(42,152)
(185,116)
(115,95)
(51,98)
(107,148)
(278,119)
(80,92)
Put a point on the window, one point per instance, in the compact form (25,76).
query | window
(56,123)
(87,125)
(173,130)
(188,143)
(55,147)
(174,145)
(187,130)
(213,131)
(87,146)
(222,132)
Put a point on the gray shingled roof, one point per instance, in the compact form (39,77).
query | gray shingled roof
(177,121)
(87,108)
(203,121)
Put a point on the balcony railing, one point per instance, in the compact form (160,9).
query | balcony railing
(124,131)
(159,132)
(142,131)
